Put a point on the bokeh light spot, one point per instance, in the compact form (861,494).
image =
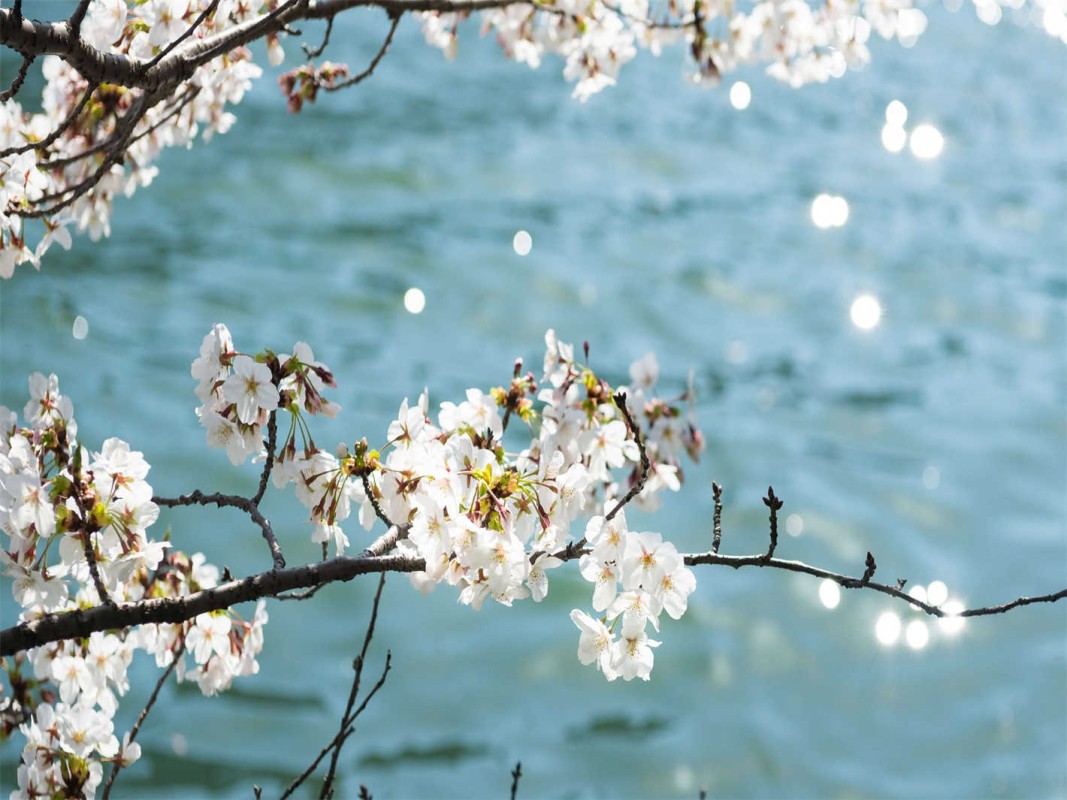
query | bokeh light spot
(865,312)
(917,635)
(794,525)
(887,629)
(896,114)
(740,95)
(414,300)
(926,142)
(829,594)
(829,211)
(522,242)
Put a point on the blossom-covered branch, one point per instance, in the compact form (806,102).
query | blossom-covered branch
(125,79)
(467,501)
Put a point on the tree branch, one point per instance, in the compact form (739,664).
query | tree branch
(249,506)
(646,466)
(20,78)
(848,582)
(82,622)
(374,62)
(347,718)
(60,129)
(716,526)
(268,465)
(144,713)
(516,774)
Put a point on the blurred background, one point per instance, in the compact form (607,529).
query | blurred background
(869,281)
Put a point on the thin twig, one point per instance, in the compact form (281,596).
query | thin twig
(365,477)
(775,505)
(307,594)
(716,538)
(144,713)
(20,78)
(313,54)
(646,466)
(357,666)
(268,465)
(233,501)
(185,35)
(87,538)
(187,96)
(76,19)
(47,141)
(515,775)
(311,767)
(94,570)
(395,17)
(116,148)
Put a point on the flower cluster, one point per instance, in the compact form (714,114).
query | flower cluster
(798,43)
(492,521)
(653,579)
(238,392)
(76,526)
(39,170)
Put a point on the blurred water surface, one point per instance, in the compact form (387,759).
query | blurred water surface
(662,219)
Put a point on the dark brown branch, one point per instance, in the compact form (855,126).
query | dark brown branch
(35,38)
(119,141)
(185,34)
(313,54)
(365,477)
(848,582)
(716,527)
(74,24)
(20,78)
(233,501)
(646,466)
(87,539)
(516,774)
(185,98)
(144,713)
(307,594)
(387,541)
(94,570)
(83,622)
(311,767)
(347,719)
(268,465)
(395,16)
(775,505)
(59,131)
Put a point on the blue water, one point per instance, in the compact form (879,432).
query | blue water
(662,219)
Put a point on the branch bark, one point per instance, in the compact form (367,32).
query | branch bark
(82,622)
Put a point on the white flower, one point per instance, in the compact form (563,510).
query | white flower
(537,580)
(208,369)
(603,576)
(632,654)
(225,434)
(251,389)
(210,634)
(479,411)
(607,446)
(644,373)
(595,643)
(129,752)
(104,23)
